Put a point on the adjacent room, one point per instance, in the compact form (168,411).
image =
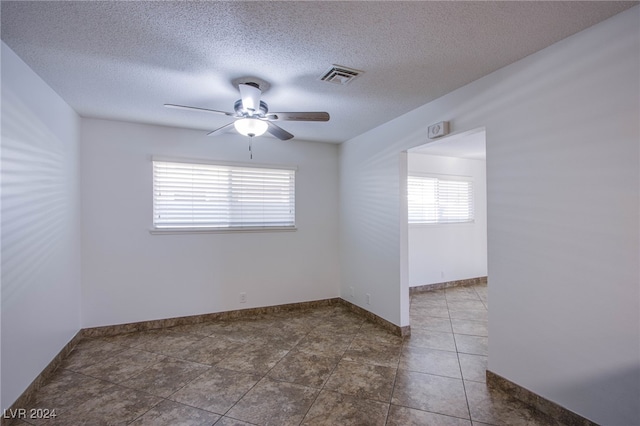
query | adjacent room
(447,211)
(366,212)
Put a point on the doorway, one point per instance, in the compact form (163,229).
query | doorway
(447,232)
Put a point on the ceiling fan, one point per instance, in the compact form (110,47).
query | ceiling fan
(252,116)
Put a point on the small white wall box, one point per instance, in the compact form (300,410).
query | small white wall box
(438,130)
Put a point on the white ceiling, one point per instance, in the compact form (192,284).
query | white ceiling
(124,60)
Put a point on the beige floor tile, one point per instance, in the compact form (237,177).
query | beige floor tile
(372,332)
(166,377)
(333,408)
(465,305)
(438,303)
(199,330)
(169,413)
(274,403)
(404,416)
(431,340)
(209,350)
(238,330)
(283,339)
(437,394)
(325,344)
(115,405)
(253,359)
(497,408)
(469,314)
(339,325)
(134,339)
(372,352)
(168,343)
(123,365)
(362,380)
(90,352)
(461,293)
(432,311)
(216,390)
(431,361)
(66,390)
(474,345)
(429,323)
(304,368)
(470,327)
(228,421)
(431,294)
(474,367)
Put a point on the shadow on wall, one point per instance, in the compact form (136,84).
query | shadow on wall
(623,411)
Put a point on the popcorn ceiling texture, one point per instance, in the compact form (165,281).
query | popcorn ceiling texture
(124,60)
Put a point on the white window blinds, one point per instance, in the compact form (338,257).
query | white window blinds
(435,200)
(187,195)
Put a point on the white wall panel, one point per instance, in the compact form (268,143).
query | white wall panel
(131,275)
(563,216)
(40,225)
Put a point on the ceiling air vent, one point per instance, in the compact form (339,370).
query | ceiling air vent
(338,74)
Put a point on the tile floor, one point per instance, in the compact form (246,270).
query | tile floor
(325,366)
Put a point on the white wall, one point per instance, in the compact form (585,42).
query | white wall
(563,216)
(371,178)
(130,275)
(456,251)
(40,225)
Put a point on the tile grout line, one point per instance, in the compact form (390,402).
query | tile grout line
(464,388)
(189,382)
(395,377)
(330,374)
(256,383)
(163,399)
(211,366)
(438,375)
(481,299)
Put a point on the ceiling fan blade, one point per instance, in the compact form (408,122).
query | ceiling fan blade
(190,108)
(220,130)
(250,96)
(278,132)
(298,116)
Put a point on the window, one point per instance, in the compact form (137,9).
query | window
(200,196)
(436,200)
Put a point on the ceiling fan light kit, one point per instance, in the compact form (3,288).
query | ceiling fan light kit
(252,115)
(251,127)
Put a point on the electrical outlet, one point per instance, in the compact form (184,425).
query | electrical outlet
(368,299)
(243,297)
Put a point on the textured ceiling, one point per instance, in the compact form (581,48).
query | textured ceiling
(124,60)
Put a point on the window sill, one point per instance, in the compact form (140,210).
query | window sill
(170,231)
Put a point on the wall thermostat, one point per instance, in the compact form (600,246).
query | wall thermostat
(438,130)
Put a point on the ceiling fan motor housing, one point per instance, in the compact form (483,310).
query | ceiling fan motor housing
(241,112)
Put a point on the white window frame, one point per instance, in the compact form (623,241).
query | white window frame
(439,204)
(235,212)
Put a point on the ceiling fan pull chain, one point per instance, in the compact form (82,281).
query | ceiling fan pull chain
(250,151)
